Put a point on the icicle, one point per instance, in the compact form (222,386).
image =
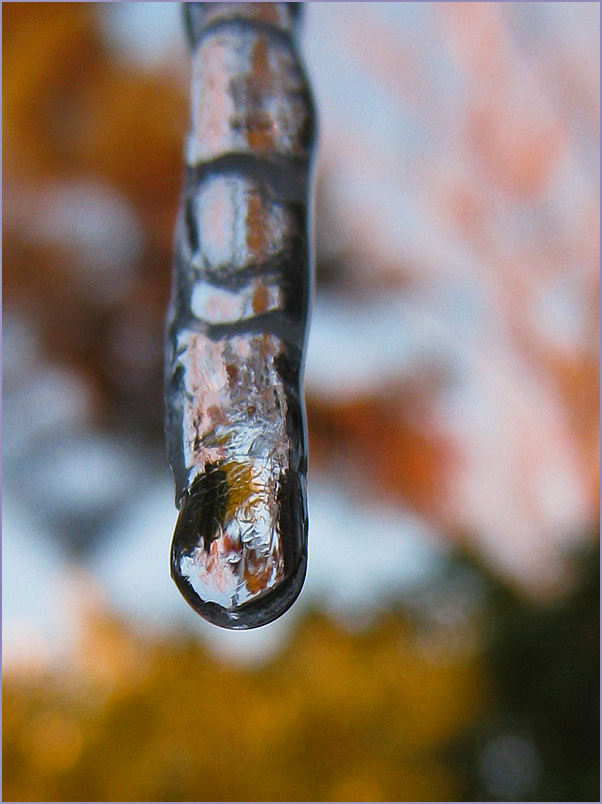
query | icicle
(235,417)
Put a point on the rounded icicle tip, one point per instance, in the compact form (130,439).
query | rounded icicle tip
(239,548)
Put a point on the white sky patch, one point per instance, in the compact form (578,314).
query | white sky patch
(21,344)
(36,626)
(146,35)
(133,562)
(361,555)
(101,229)
(355,346)
(48,399)
(84,475)
(559,313)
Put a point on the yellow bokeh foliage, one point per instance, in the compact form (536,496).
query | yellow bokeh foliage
(336,716)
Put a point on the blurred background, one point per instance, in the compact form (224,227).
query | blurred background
(446,644)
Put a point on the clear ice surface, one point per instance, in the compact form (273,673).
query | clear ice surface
(235,420)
